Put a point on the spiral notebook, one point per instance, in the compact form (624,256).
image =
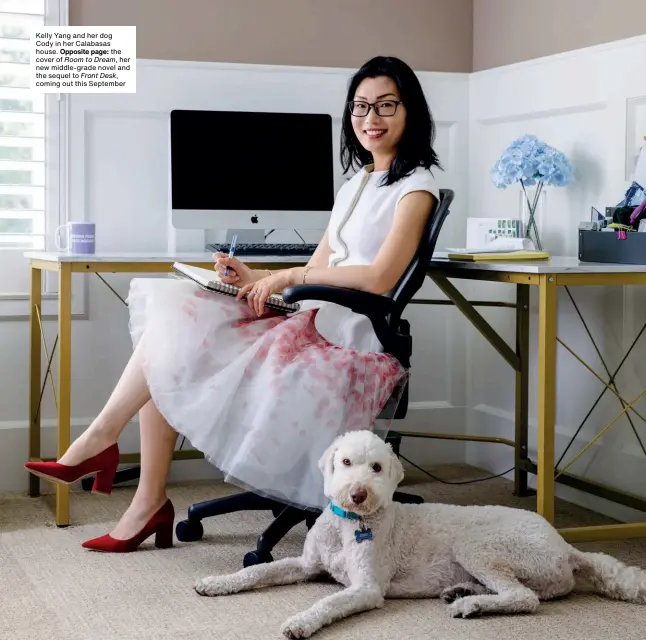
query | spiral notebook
(209,280)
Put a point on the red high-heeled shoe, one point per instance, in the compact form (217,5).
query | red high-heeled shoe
(104,464)
(161,524)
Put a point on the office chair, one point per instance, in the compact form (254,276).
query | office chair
(385,313)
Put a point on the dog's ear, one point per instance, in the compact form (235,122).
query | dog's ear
(326,462)
(396,470)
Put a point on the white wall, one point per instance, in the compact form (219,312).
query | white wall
(119,179)
(591,104)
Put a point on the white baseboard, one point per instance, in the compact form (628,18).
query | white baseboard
(436,416)
(14,451)
(621,468)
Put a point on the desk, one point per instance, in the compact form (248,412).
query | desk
(99,263)
(546,276)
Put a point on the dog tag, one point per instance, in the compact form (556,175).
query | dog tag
(363,534)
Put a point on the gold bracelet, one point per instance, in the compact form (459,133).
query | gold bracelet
(305,273)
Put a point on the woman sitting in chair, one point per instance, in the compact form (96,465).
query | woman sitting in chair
(261,394)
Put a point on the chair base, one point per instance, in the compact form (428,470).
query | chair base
(285,519)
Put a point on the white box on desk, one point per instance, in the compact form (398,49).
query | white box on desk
(482,231)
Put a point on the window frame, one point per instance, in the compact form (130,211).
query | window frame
(14,305)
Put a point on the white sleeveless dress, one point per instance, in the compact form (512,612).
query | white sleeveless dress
(263,398)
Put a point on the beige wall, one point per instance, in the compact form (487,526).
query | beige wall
(431,35)
(507,31)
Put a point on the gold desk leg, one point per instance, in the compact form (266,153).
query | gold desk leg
(546,396)
(64,383)
(35,301)
(522,390)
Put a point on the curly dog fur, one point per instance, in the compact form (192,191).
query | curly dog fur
(481,560)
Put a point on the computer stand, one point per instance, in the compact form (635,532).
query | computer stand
(247,236)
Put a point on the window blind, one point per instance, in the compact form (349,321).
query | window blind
(22,130)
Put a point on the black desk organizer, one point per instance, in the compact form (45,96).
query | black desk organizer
(606,246)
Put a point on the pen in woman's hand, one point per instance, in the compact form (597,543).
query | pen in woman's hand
(232,250)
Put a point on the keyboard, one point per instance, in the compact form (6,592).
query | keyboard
(265,249)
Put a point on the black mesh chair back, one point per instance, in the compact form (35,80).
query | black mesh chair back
(400,343)
(413,278)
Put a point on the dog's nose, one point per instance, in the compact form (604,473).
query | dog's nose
(358,495)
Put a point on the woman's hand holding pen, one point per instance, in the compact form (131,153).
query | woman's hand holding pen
(257,286)
(239,273)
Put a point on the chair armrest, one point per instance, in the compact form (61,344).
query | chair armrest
(367,304)
(375,307)
(384,312)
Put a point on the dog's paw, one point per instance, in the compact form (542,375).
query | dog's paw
(467,607)
(451,594)
(299,626)
(214,586)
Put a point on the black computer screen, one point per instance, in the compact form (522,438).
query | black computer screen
(240,161)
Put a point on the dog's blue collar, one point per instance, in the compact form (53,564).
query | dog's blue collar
(362,533)
(349,515)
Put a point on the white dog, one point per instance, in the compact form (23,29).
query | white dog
(481,559)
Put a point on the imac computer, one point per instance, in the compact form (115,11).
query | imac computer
(242,171)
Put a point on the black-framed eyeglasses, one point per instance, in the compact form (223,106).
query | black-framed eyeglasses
(383,108)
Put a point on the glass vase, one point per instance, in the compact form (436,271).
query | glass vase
(532,214)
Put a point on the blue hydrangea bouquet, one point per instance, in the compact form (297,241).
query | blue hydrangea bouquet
(531,162)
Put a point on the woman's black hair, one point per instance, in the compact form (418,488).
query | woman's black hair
(415,149)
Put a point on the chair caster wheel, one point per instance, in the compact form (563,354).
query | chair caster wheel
(257,557)
(189,530)
(87,483)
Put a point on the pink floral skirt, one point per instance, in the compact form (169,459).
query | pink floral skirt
(262,398)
